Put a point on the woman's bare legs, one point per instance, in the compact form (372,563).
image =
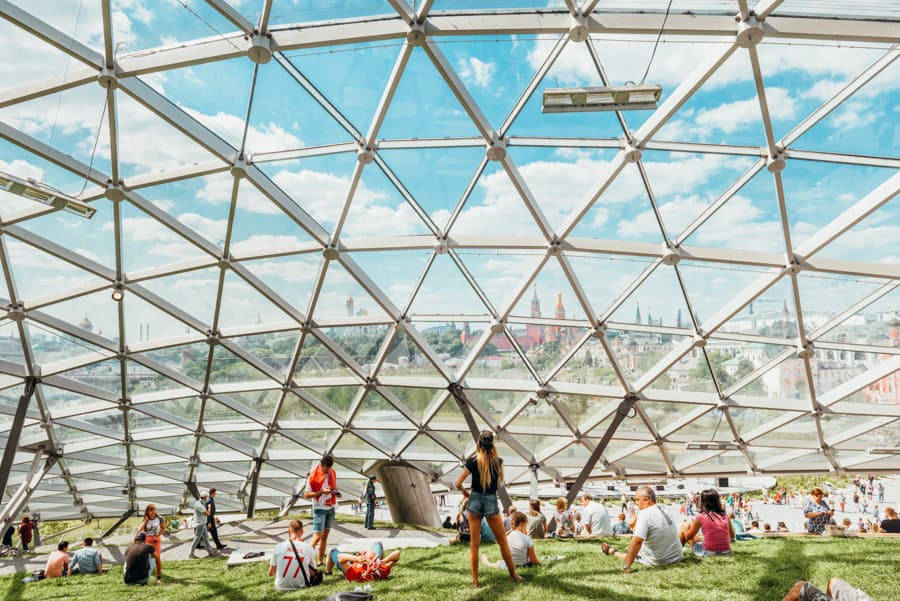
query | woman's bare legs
(475,543)
(496,524)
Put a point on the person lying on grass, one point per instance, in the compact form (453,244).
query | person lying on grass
(838,590)
(521,547)
(655,541)
(365,565)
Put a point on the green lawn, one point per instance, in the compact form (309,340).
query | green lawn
(759,571)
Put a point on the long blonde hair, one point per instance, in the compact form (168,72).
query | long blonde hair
(487,460)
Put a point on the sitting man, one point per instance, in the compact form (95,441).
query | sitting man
(140,561)
(838,590)
(363,566)
(655,541)
(890,523)
(293,561)
(595,517)
(58,562)
(87,559)
(621,527)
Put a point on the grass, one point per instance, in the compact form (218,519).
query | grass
(760,570)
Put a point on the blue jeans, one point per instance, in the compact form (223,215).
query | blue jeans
(323,519)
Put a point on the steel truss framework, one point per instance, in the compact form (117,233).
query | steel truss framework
(108,465)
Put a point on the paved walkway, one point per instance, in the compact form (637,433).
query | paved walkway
(244,536)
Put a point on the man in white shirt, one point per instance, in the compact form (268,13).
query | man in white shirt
(594,517)
(655,541)
(290,574)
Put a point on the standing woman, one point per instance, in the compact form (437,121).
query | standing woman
(154,526)
(487,473)
(25,530)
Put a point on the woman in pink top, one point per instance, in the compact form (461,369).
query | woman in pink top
(713,522)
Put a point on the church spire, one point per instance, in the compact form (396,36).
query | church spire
(535,304)
(637,314)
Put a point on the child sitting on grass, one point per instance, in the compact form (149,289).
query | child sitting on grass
(521,546)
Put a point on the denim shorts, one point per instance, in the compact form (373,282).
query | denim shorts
(700,551)
(483,504)
(322,519)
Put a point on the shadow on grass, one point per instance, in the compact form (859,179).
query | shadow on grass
(15,590)
(780,573)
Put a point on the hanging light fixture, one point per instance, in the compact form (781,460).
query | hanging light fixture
(603,98)
(33,190)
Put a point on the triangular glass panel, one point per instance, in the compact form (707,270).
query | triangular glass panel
(193,292)
(871,240)
(733,360)
(275,349)
(105,375)
(749,421)
(318,184)
(317,361)
(731,461)
(49,345)
(684,185)
(571,458)
(537,444)
(69,121)
(884,435)
(251,438)
(389,440)
(623,211)
(242,305)
(377,202)
(590,365)
(148,244)
(142,29)
(604,277)
(636,351)
(376,411)
(405,358)
(557,342)
(229,82)
(279,443)
(501,273)
(452,341)
(55,275)
(418,400)
(445,291)
(147,143)
(663,414)
(772,313)
(337,287)
(337,398)
(711,286)
(752,211)
(188,359)
(435,177)
(573,68)
(495,205)
(97,313)
(295,412)
(691,372)
(450,418)
(561,179)
(833,367)
(824,296)
(787,380)
(293,278)
(496,403)
(424,448)
(726,110)
(580,408)
(362,344)
(146,324)
(351,449)
(216,413)
(499,359)
(56,400)
(656,302)
(801,432)
(228,367)
(423,105)
(141,379)
(648,460)
(552,286)
(209,217)
(396,272)
(141,422)
(835,425)
(211,450)
(867,326)
(287,117)
(259,224)
(351,76)
(710,426)
(854,126)
(817,192)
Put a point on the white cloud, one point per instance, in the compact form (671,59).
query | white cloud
(853,115)
(263,137)
(477,72)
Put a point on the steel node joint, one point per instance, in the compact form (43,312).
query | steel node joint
(749,32)
(108,78)
(260,48)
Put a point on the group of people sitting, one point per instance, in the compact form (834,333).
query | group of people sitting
(86,560)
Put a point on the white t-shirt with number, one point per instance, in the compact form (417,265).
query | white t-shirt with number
(287,573)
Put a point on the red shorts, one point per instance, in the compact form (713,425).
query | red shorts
(360,572)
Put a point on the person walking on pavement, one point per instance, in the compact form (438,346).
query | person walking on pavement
(212,520)
(370,503)
(200,529)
